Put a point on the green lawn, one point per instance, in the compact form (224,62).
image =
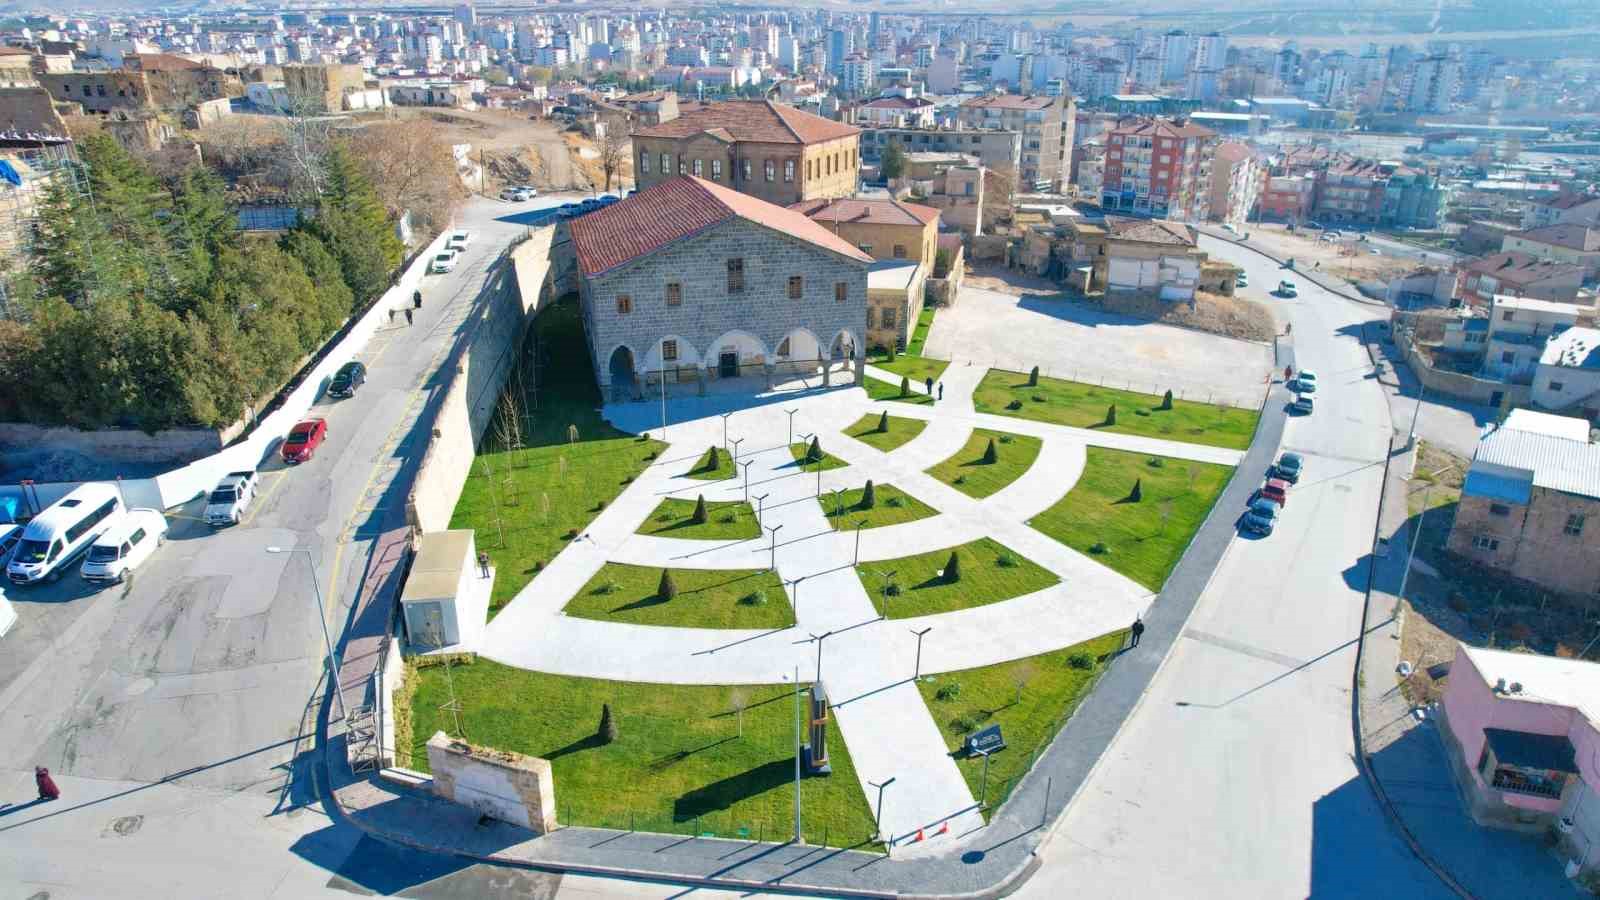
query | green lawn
(878,389)
(1051,689)
(892,506)
(967,473)
(526,504)
(1084,406)
(726,520)
(916,368)
(678,764)
(919,335)
(1135,540)
(990,572)
(901,430)
(706,598)
(829,461)
(706,471)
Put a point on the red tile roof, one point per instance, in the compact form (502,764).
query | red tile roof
(679,208)
(1573,237)
(1161,128)
(870,212)
(1520,268)
(760,121)
(1151,231)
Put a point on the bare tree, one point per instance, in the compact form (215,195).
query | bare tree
(999,193)
(616,149)
(1020,676)
(739,699)
(412,167)
(306,136)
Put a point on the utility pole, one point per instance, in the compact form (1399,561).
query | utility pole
(1417,535)
(322,619)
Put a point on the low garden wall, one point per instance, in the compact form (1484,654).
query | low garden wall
(500,784)
(1460,385)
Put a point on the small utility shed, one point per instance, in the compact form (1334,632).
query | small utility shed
(446,598)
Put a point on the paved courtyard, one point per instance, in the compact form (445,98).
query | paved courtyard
(1079,342)
(866,662)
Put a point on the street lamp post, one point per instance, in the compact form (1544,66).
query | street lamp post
(736,443)
(663,399)
(772,562)
(761,508)
(983,790)
(322,619)
(916,671)
(819,638)
(879,817)
(798,839)
(747,480)
(838,506)
(819,479)
(725,429)
(1411,555)
(791,413)
(794,596)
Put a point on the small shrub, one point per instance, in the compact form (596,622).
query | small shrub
(961,479)
(905,386)
(538,565)
(728,517)
(599,505)
(892,589)
(1080,660)
(1006,438)
(607,587)
(650,457)
(1111,414)
(963,724)
(1155,462)
(1099,548)
(1033,377)
(1166,400)
(1006,561)
(869,495)
(664,516)
(1014,405)
(608,725)
(990,454)
(756,598)
(1037,398)
(1142,412)
(571,534)
(712,459)
(699,517)
(665,589)
(948,692)
(895,502)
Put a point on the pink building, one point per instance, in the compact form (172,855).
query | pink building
(1525,749)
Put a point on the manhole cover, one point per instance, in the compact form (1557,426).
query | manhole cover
(127,825)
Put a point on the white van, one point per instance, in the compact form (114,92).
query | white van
(64,531)
(125,545)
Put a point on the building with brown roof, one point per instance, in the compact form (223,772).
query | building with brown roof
(903,237)
(177,83)
(1150,255)
(1159,167)
(896,111)
(1575,244)
(764,149)
(1566,209)
(1046,125)
(1515,274)
(690,281)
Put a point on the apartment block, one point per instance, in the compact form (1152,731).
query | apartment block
(1159,167)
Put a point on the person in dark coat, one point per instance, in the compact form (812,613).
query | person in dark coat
(408,317)
(928,382)
(1136,631)
(416,299)
(941,390)
(46,784)
(483,563)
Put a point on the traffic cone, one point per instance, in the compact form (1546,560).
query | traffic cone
(919,837)
(944,827)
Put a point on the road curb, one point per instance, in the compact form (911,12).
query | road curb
(1316,279)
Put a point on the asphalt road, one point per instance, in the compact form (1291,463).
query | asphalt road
(1235,776)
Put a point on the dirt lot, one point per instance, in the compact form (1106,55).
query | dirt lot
(514,148)
(1450,602)
(1349,259)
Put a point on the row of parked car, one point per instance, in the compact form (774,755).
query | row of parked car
(1267,503)
(454,246)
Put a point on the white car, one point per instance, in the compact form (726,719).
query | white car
(458,240)
(444,262)
(125,545)
(1306,382)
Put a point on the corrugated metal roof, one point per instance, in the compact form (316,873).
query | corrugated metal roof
(1556,463)
(1493,486)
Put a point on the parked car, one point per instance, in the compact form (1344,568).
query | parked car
(303,440)
(1306,382)
(55,538)
(509,194)
(443,262)
(1242,281)
(1289,467)
(1276,490)
(230,498)
(350,376)
(1261,517)
(1303,405)
(10,536)
(568,210)
(1287,289)
(125,545)
(458,240)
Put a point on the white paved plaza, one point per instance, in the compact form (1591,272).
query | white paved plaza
(866,662)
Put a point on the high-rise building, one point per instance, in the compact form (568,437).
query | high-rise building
(1211,51)
(1046,124)
(1432,84)
(1175,52)
(466,14)
(859,75)
(841,43)
(1147,72)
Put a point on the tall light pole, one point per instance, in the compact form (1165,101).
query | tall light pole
(322,619)
(819,479)
(1412,554)
(761,508)
(794,596)
(663,397)
(747,480)
(772,562)
(798,839)
(858,541)
(791,413)
(725,429)
(879,817)
(819,638)
(736,444)
(916,671)
(838,507)
(983,791)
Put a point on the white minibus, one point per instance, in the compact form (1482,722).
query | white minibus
(63,532)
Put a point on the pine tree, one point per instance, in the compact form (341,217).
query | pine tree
(952,568)
(713,459)
(1033,377)
(869,496)
(665,589)
(699,517)
(608,725)
(814,452)
(990,454)
(1138,490)
(1166,400)
(883,422)
(905,386)
(1111,414)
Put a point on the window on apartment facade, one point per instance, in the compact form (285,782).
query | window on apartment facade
(674,293)
(811,169)
(1506,316)
(698,168)
(1558,386)
(669,351)
(796,287)
(716,169)
(899,251)
(644,163)
(772,170)
(1508,357)
(841,291)
(1485,543)
(736,276)
(666,163)
(746,170)
(1574,525)
(1499,509)
(624,304)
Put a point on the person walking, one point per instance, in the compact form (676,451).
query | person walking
(416,298)
(46,784)
(928,383)
(391,316)
(483,563)
(1135,632)
(941,390)
(408,317)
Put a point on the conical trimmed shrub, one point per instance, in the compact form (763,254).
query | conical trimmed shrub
(952,569)
(699,517)
(883,422)
(814,452)
(1033,377)
(666,590)
(869,496)
(1111,414)
(990,454)
(1166,400)
(1138,490)
(905,386)
(608,725)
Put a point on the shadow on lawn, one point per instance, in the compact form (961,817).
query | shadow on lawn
(588,742)
(721,795)
(662,763)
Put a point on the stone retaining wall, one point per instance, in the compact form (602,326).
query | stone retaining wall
(497,783)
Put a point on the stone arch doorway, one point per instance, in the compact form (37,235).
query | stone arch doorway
(622,372)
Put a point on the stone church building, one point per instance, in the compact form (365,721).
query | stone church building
(694,281)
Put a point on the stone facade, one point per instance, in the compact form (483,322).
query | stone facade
(500,784)
(1531,542)
(777,173)
(754,325)
(101,92)
(323,88)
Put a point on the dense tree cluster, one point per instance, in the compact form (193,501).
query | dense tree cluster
(143,306)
